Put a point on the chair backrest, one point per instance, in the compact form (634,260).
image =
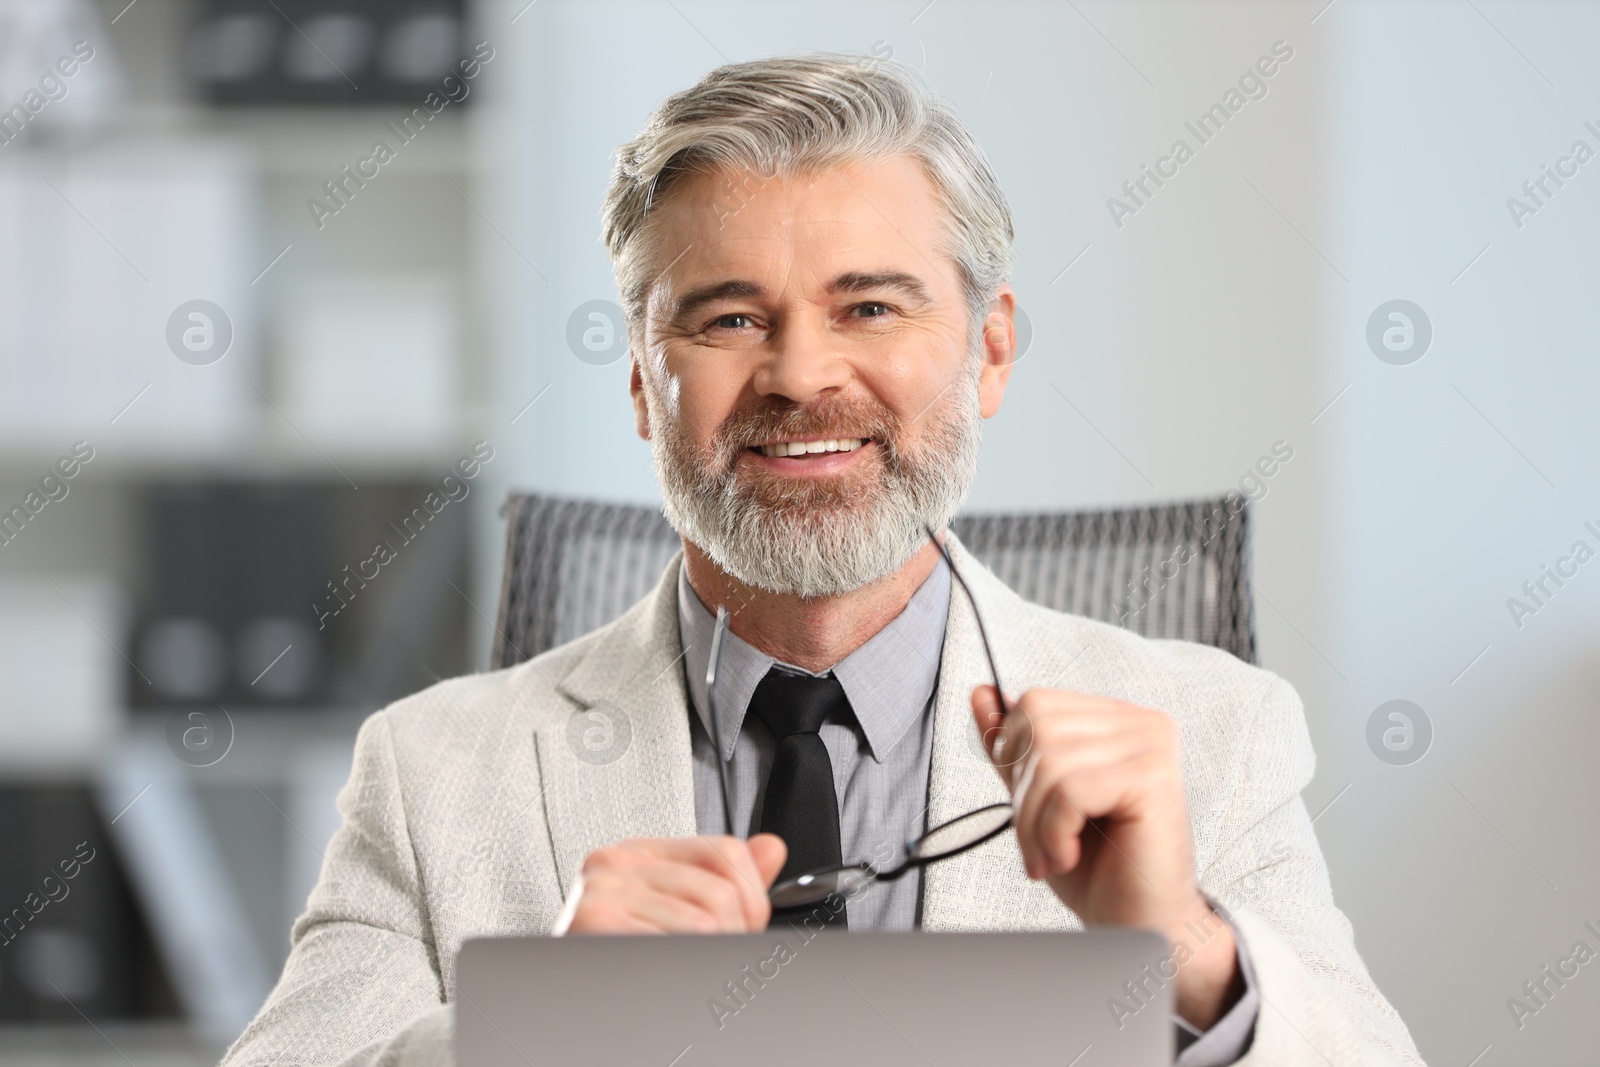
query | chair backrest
(1170,570)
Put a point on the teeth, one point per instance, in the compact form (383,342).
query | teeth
(802,448)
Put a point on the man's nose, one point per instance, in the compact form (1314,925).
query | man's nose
(803,359)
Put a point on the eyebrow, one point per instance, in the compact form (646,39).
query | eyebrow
(867,281)
(695,299)
(849,282)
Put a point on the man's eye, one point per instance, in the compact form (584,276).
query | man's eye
(731,322)
(872,310)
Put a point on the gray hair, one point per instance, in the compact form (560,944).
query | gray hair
(799,114)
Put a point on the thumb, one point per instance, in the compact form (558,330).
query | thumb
(989,715)
(769,852)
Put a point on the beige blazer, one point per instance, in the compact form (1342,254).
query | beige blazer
(471,806)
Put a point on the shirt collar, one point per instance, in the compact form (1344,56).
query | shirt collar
(889,680)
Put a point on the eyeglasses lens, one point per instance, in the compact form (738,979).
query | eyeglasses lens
(962,832)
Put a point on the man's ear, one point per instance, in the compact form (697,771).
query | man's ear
(641,412)
(998,350)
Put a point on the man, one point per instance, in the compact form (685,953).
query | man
(813,256)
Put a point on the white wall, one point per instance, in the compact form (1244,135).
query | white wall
(1440,509)
(1219,319)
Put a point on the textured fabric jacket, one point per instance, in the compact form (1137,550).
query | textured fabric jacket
(469,810)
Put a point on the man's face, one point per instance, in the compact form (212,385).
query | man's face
(806,374)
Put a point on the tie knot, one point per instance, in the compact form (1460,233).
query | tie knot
(798,703)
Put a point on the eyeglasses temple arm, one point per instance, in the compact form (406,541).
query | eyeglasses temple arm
(711,708)
(982,632)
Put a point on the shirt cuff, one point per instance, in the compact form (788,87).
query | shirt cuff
(1229,1037)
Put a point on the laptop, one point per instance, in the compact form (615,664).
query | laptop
(791,996)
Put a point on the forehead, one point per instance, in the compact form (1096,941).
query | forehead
(884,214)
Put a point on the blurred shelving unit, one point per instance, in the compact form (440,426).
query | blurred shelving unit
(356,361)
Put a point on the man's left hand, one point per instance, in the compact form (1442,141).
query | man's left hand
(1100,814)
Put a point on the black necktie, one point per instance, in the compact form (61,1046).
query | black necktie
(800,804)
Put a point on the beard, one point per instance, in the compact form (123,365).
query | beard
(818,536)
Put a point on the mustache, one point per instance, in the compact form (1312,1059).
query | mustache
(778,419)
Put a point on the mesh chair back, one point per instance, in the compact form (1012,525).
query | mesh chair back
(1171,570)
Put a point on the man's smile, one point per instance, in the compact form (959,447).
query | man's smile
(811,447)
(820,455)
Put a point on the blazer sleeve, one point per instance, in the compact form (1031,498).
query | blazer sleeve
(1318,1003)
(361,987)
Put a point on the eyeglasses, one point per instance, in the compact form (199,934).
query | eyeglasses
(948,839)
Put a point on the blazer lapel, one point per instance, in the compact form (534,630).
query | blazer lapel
(618,765)
(987,887)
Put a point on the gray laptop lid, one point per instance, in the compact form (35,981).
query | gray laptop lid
(778,999)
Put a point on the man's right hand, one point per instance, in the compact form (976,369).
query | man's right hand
(682,885)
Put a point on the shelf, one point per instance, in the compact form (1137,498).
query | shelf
(266,743)
(296,142)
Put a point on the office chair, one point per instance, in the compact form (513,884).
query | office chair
(1170,570)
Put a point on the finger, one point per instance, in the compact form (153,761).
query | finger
(1025,800)
(1076,755)
(1104,791)
(718,896)
(769,852)
(1044,777)
(1072,698)
(719,854)
(1059,833)
(989,699)
(1025,839)
(1055,727)
(591,919)
(1069,788)
(725,857)
(731,858)
(1015,742)
(988,713)
(616,904)
(1077,714)
(614,877)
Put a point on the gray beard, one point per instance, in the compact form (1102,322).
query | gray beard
(817,538)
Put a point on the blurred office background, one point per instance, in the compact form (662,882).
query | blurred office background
(250,391)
